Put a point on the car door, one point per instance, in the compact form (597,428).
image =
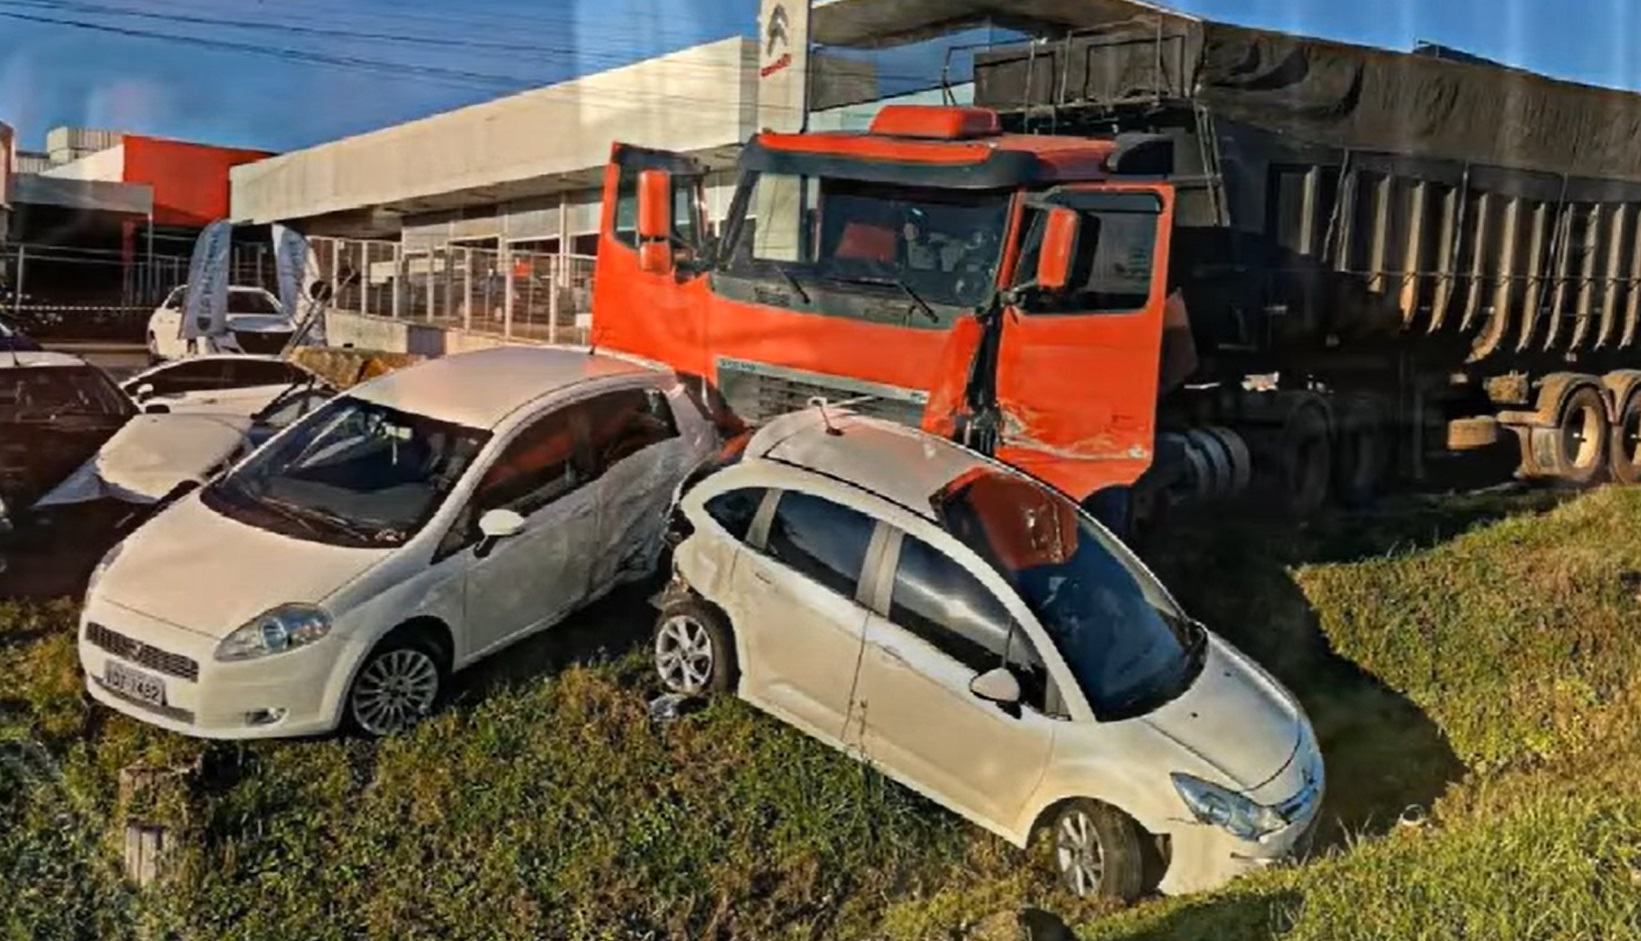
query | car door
(533,579)
(638,456)
(936,626)
(795,590)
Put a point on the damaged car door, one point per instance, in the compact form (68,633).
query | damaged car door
(532,579)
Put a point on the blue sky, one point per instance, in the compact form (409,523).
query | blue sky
(52,74)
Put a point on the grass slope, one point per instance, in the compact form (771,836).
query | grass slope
(1474,657)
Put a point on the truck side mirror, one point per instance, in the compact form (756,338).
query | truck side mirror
(1059,247)
(655,221)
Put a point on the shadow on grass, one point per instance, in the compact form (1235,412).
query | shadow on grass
(1383,753)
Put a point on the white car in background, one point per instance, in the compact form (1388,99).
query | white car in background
(257,324)
(973,634)
(399,532)
(222,383)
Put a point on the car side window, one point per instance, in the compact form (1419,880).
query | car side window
(939,601)
(196,376)
(623,423)
(542,463)
(820,539)
(734,510)
(259,372)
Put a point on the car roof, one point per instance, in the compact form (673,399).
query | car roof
(481,388)
(214,357)
(901,464)
(34,359)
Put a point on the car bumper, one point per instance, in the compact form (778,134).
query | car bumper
(1203,857)
(280,696)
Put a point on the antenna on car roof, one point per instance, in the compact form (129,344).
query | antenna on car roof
(819,402)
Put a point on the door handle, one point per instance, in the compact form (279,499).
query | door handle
(763,578)
(893,656)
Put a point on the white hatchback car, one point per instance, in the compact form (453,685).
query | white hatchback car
(973,634)
(257,324)
(399,532)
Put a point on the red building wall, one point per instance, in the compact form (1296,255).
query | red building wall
(190,181)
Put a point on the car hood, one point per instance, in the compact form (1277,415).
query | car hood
(199,570)
(35,457)
(148,457)
(1236,719)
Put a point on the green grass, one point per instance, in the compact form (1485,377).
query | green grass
(1473,656)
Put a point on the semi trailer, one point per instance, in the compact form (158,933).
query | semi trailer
(1174,259)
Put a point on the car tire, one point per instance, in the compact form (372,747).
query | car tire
(401,681)
(693,649)
(1097,851)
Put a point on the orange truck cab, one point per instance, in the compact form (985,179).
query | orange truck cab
(1008,291)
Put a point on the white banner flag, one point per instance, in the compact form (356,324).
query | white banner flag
(290,262)
(205,310)
(783,65)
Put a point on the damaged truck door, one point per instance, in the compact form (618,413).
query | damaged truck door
(1075,383)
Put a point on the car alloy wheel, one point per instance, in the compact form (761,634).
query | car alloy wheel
(1078,852)
(684,655)
(395,689)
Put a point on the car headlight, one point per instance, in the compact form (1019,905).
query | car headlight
(103,565)
(1234,813)
(286,627)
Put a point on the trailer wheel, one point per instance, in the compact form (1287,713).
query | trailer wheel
(1363,454)
(1624,451)
(1574,448)
(1307,460)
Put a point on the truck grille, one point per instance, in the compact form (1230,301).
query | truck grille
(126,648)
(758,392)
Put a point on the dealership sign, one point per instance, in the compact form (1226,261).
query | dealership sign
(783,64)
(205,307)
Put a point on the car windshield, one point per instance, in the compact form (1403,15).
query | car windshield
(1128,645)
(252,302)
(944,245)
(352,473)
(54,393)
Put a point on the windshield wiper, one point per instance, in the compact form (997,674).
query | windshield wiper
(797,285)
(918,303)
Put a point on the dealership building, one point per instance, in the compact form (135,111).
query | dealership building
(524,170)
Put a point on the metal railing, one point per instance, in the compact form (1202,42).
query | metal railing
(508,293)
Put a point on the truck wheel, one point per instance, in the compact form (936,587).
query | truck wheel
(1097,852)
(1307,460)
(1574,450)
(1362,454)
(1624,451)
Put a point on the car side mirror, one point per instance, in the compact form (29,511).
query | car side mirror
(998,686)
(144,391)
(494,526)
(1059,247)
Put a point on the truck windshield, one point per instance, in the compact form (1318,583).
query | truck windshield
(944,245)
(1127,644)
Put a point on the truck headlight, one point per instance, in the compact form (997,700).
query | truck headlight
(1234,813)
(281,629)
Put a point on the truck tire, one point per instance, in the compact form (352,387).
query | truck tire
(1362,453)
(1307,460)
(1573,447)
(1624,450)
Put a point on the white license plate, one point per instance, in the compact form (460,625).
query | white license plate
(134,683)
